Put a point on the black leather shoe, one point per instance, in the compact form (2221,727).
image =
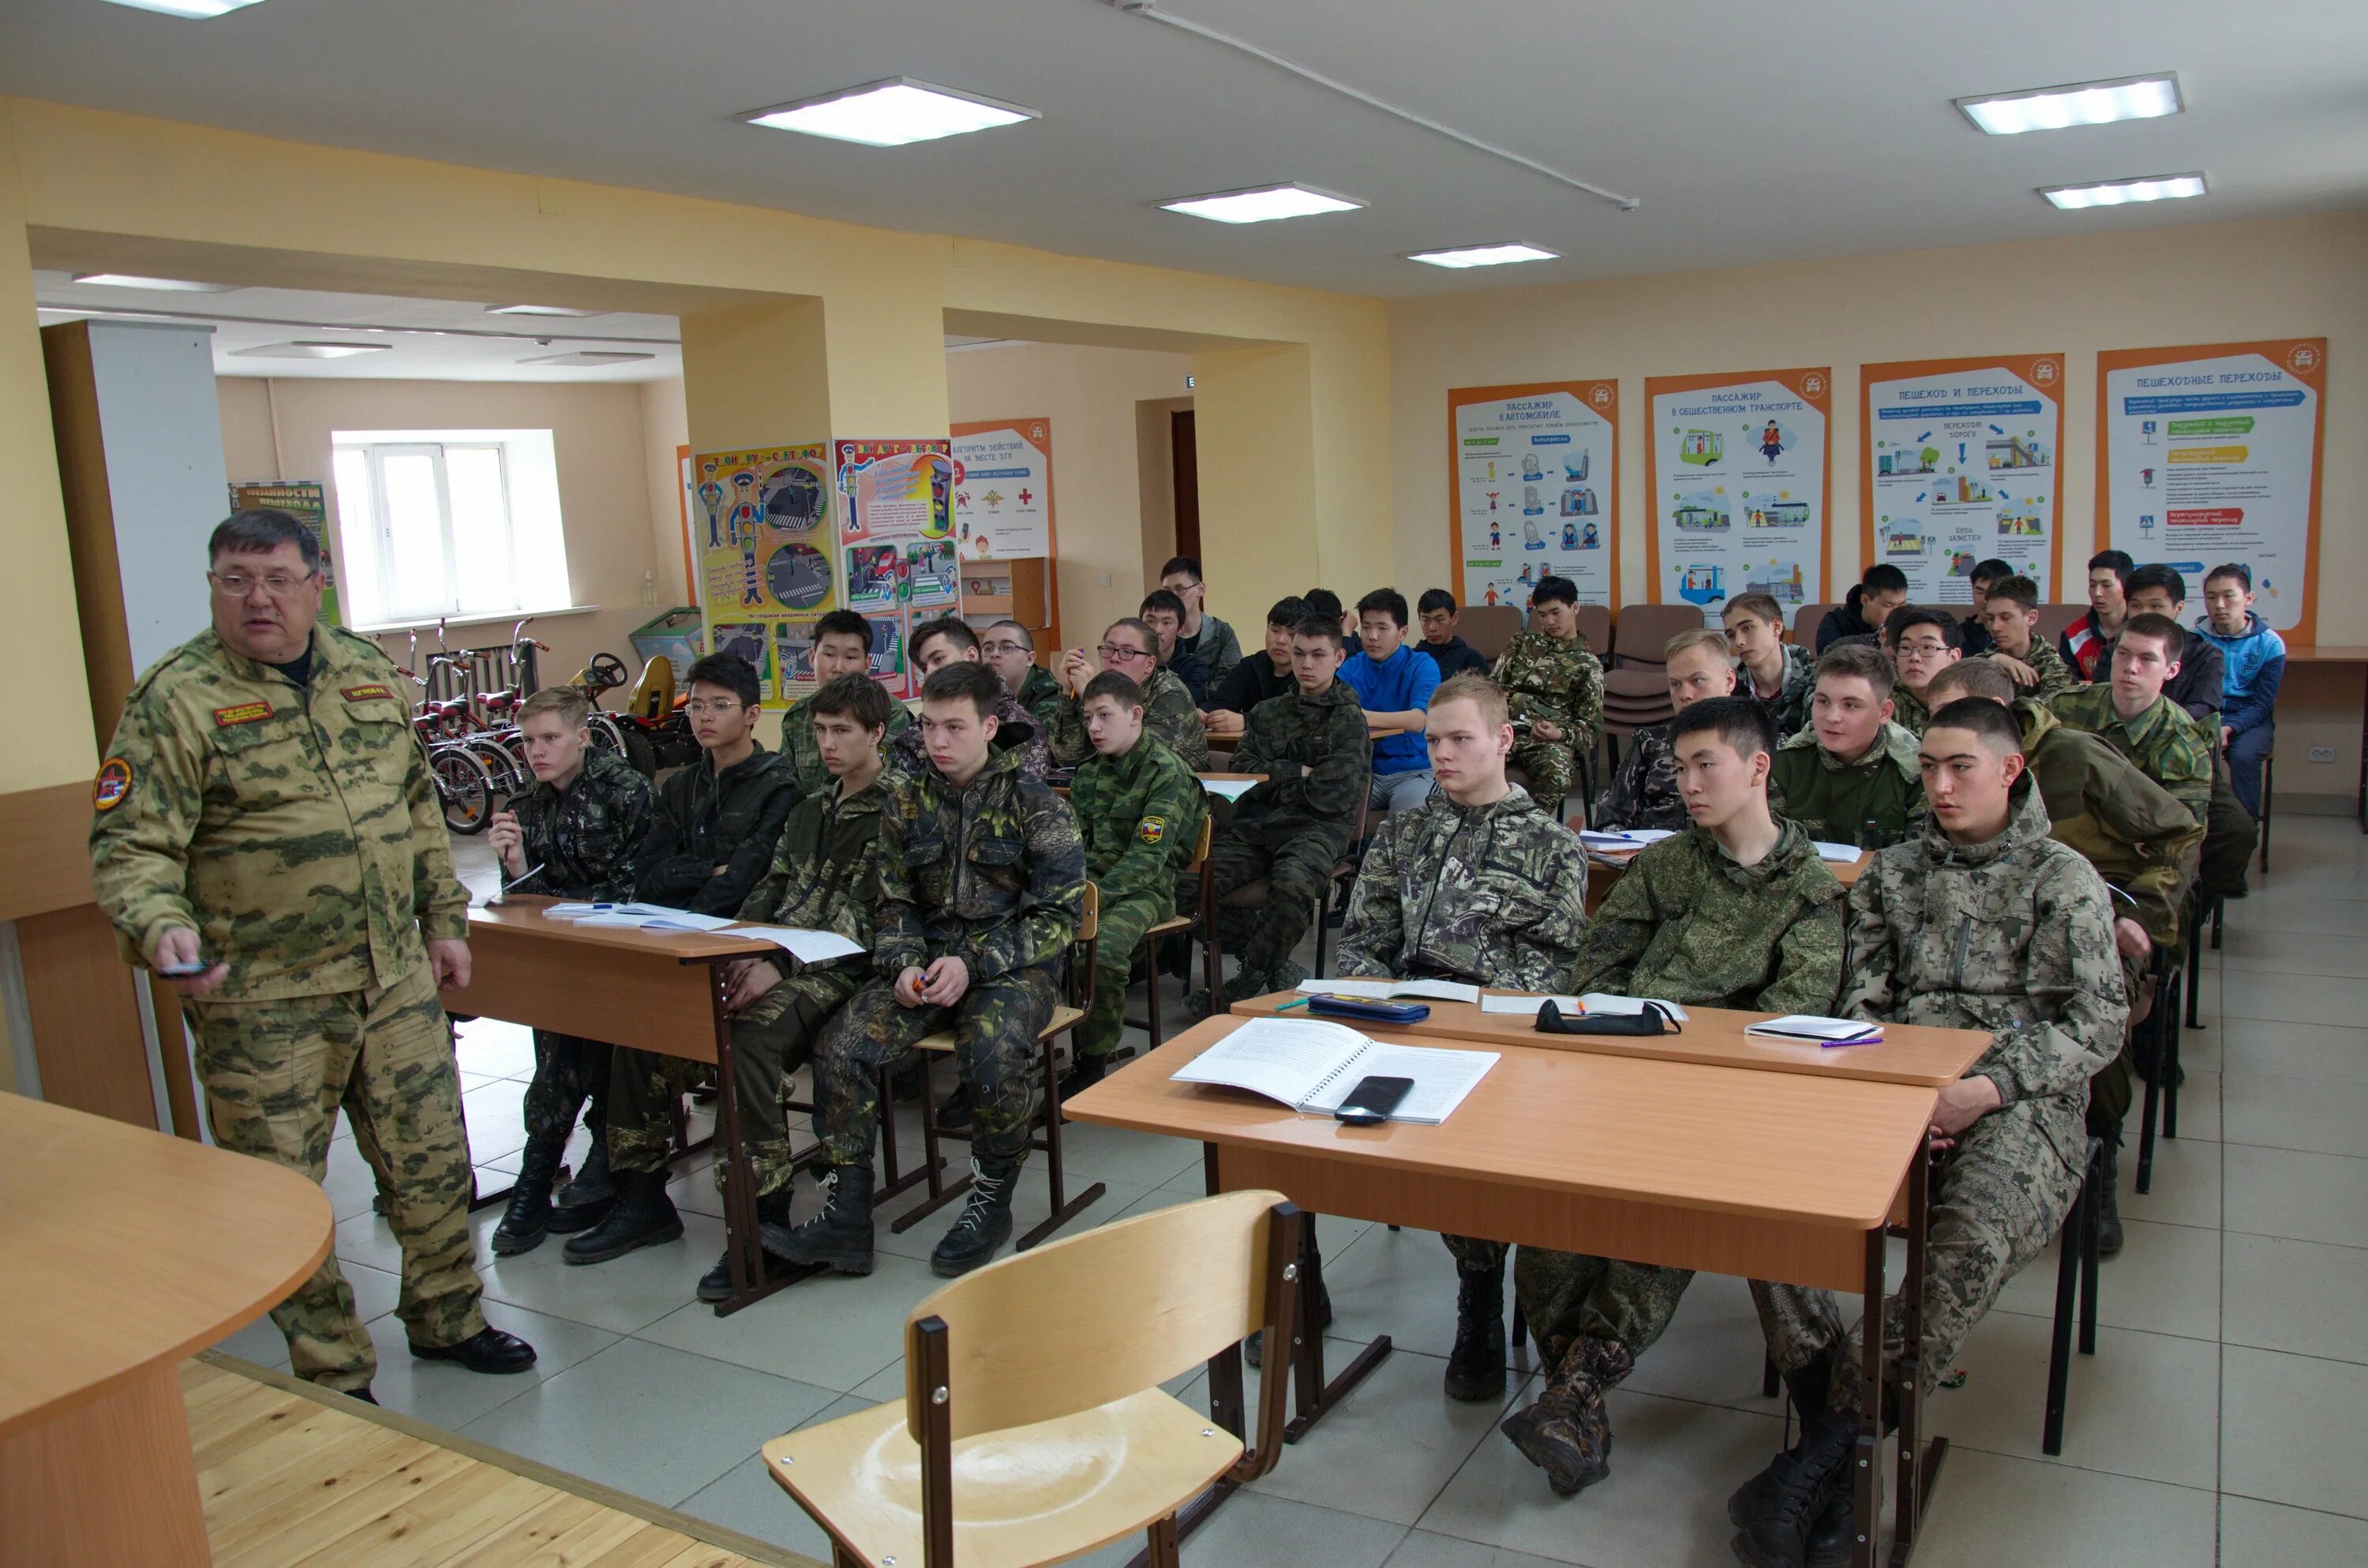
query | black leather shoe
(487,1350)
(363,1394)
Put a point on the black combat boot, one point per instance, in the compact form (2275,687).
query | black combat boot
(585,1201)
(1314,1301)
(1805,1388)
(528,1217)
(642,1215)
(1567,1432)
(954,1113)
(772,1228)
(1475,1368)
(841,1236)
(2108,1212)
(985,1222)
(1083,1074)
(1808,1502)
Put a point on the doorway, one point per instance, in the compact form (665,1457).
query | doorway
(1184,459)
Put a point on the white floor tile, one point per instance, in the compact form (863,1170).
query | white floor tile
(1422,1550)
(2323,1115)
(1390,1446)
(2309,1198)
(2297,1296)
(2164,1280)
(2186,1183)
(2291,1430)
(746,1498)
(2266,1535)
(622,1295)
(2297,1050)
(1990,1510)
(834,1331)
(451,1396)
(2341,1000)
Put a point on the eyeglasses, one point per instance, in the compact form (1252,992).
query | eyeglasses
(1922,650)
(717,706)
(1119,651)
(1007,648)
(238,584)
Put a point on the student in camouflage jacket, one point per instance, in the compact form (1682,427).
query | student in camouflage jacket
(1129,648)
(1644,792)
(1554,681)
(842,646)
(2167,745)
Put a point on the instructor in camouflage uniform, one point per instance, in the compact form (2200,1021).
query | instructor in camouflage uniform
(1556,690)
(267,838)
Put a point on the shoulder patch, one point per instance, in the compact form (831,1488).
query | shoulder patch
(364,693)
(1151,830)
(242,713)
(113,783)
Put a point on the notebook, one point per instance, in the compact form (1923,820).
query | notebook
(1597,1002)
(1229,789)
(1310,1065)
(1393,990)
(1840,854)
(1814,1026)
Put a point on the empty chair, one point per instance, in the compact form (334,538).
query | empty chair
(1487,628)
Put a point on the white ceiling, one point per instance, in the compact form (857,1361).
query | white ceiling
(1749,132)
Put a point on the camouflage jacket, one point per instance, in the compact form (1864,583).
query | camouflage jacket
(1909,712)
(1790,707)
(1643,793)
(2169,747)
(2138,836)
(805,757)
(1686,923)
(1325,733)
(824,877)
(2054,674)
(703,820)
(297,832)
(1835,799)
(1545,678)
(1017,734)
(581,844)
(1140,815)
(1040,694)
(992,873)
(2015,937)
(1494,894)
(1167,713)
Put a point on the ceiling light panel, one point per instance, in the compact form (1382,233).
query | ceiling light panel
(133,281)
(2084,103)
(1483,256)
(1262,205)
(537,311)
(2119,192)
(588,356)
(309,350)
(199,9)
(891,114)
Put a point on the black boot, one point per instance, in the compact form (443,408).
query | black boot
(1314,1301)
(1808,1498)
(772,1228)
(528,1217)
(954,1113)
(2108,1212)
(841,1236)
(488,1350)
(984,1224)
(585,1201)
(642,1215)
(1805,1388)
(1084,1075)
(1475,1368)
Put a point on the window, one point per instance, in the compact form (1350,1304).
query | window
(459,523)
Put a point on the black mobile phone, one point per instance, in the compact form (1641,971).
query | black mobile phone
(185,971)
(1370,1102)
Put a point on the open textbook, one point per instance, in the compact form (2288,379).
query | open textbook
(806,946)
(1310,1065)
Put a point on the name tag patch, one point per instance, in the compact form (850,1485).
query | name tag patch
(242,713)
(113,783)
(1151,830)
(364,693)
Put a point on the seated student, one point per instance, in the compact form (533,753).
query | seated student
(2082,644)
(1260,675)
(1643,793)
(1480,884)
(823,875)
(1738,911)
(1164,613)
(2010,616)
(1129,648)
(1781,675)
(1556,689)
(1453,655)
(981,882)
(1977,635)
(1139,811)
(949,639)
(2255,662)
(1980,921)
(1851,776)
(571,836)
(1866,606)
(713,829)
(1010,651)
(2158,589)
(1291,829)
(1323,601)
(1203,636)
(842,646)
(1922,643)
(1392,684)
(2133,715)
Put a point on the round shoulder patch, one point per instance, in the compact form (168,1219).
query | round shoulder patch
(113,783)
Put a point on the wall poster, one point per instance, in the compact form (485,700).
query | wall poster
(2212,454)
(1738,469)
(307,502)
(760,526)
(1533,490)
(1003,488)
(1960,465)
(896,531)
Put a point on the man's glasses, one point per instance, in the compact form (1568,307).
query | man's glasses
(238,584)
(1007,648)
(718,708)
(1111,651)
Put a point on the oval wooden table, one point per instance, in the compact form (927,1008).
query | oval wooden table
(122,1251)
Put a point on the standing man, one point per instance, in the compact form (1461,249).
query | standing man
(1128,648)
(2255,659)
(1783,674)
(1259,676)
(266,838)
(1643,793)
(948,641)
(1851,776)
(1392,684)
(842,647)
(1923,644)
(2083,642)
(2009,619)
(1164,613)
(1555,688)
(1010,649)
(1453,655)
(1203,635)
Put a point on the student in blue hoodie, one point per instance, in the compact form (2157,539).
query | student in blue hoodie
(1392,684)
(2254,660)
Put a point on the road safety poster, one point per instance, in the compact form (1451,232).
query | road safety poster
(897,531)
(1003,489)
(2212,454)
(1532,490)
(1959,466)
(760,524)
(1737,469)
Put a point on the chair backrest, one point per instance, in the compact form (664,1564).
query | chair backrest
(1488,628)
(2055,619)
(1595,625)
(1091,1318)
(653,694)
(1201,844)
(1805,622)
(1089,918)
(1643,632)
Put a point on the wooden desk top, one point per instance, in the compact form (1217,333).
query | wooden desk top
(1234,778)
(1909,1053)
(128,1248)
(1617,861)
(522,916)
(1784,1146)
(2329,653)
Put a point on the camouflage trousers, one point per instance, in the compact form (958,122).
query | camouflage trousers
(571,1075)
(994,1026)
(769,1042)
(1552,769)
(1295,872)
(2003,1193)
(1474,1255)
(1122,923)
(275,1075)
(1569,1297)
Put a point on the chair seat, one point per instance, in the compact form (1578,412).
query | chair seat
(1063,1017)
(1173,923)
(1027,1495)
(1651,680)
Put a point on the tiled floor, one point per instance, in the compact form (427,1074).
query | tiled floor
(2223,1419)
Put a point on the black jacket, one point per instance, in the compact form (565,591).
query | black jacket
(1251,682)
(1453,658)
(702,820)
(1842,621)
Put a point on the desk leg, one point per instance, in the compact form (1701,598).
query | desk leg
(1866,1470)
(111,1482)
(742,1248)
(1918,1464)
(2363,762)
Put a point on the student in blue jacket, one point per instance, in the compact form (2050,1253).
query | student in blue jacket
(1392,684)
(2254,661)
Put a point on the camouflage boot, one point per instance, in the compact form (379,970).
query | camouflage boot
(1568,1433)
(1808,1517)
(642,1215)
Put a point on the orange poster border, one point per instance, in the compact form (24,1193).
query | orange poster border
(1586,392)
(1021,425)
(1800,382)
(2026,365)
(2278,351)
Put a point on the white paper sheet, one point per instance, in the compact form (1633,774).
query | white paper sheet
(1441,1079)
(806,946)
(1813,1026)
(1604,1002)
(1526,1007)
(1840,853)
(654,917)
(1283,1059)
(1229,789)
(1393,990)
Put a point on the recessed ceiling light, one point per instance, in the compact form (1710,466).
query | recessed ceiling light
(588,356)
(891,114)
(133,281)
(538,310)
(1483,256)
(2115,193)
(200,9)
(308,350)
(1262,205)
(2083,103)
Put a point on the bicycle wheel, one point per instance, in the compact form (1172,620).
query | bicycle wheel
(606,736)
(465,787)
(508,773)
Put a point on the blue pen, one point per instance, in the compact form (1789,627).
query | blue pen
(1287,1006)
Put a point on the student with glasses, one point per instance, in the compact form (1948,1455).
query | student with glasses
(1010,649)
(1130,648)
(949,640)
(1923,644)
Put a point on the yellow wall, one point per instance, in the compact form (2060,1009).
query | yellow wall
(664,427)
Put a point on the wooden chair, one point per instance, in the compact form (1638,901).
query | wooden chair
(1204,919)
(1065,1017)
(1033,1428)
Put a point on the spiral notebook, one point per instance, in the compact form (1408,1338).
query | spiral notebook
(1310,1065)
